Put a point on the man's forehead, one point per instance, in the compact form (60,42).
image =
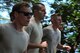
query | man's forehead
(26,9)
(41,6)
(58,17)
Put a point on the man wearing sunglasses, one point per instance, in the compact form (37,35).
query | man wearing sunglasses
(13,38)
(35,29)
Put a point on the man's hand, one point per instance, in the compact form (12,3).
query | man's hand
(44,44)
(67,48)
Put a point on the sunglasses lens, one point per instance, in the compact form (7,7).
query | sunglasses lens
(26,13)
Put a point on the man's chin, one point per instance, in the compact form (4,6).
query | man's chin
(26,25)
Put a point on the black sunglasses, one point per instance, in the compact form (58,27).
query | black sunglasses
(26,13)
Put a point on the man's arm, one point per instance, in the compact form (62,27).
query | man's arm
(37,45)
(60,46)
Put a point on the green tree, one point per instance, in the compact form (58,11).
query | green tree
(70,15)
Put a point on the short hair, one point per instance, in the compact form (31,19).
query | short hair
(36,6)
(17,7)
(55,15)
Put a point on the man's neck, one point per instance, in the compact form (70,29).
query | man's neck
(17,26)
(54,27)
(36,19)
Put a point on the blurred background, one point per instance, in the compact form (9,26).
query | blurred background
(70,11)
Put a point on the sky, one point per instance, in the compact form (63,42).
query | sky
(47,5)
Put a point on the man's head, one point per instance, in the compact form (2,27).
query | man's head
(21,13)
(39,10)
(56,20)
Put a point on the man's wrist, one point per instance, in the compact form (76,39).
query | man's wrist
(64,47)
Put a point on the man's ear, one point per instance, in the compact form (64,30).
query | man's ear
(15,14)
(36,12)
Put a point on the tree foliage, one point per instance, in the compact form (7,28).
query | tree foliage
(71,17)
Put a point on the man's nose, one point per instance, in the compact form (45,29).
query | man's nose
(29,17)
